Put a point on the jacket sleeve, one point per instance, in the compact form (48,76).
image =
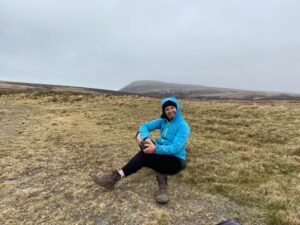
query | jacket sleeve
(146,128)
(177,144)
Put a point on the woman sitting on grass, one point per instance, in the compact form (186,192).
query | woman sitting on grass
(166,156)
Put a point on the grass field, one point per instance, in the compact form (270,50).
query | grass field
(243,161)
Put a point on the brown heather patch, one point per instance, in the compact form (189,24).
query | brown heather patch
(243,161)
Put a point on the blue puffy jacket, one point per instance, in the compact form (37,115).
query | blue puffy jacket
(173,134)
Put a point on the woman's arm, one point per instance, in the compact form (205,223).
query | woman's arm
(146,128)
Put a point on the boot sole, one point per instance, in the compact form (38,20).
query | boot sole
(162,202)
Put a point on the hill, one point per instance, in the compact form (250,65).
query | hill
(186,91)
(7,87)
(243,161)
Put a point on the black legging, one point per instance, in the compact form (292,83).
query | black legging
(164,164)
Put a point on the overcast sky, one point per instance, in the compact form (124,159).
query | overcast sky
(253,45)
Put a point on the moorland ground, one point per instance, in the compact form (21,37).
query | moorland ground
(243,161)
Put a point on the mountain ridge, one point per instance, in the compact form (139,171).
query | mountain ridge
(10,87)
(152,88)
(190,91)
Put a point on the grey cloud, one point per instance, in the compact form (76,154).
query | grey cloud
(107,44)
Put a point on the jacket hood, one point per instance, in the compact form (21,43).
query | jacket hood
(173,99)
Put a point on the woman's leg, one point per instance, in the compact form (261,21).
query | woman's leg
(164,164)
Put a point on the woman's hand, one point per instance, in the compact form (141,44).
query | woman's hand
(150,147)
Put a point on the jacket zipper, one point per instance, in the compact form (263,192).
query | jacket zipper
(166,130)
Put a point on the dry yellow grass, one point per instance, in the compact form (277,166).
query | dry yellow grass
(243,162)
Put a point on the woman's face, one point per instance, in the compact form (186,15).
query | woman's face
(170,111)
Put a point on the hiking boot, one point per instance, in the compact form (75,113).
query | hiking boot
(162,195)
(107,180)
